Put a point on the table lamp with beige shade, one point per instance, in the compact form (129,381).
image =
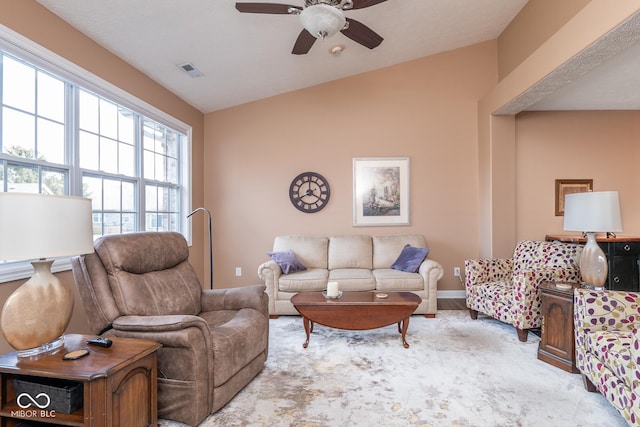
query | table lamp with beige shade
(593,212)
(38,227)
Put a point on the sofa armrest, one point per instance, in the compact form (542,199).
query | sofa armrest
(605,310)
(431,271)
(252,296)
(478,271)
(270,272)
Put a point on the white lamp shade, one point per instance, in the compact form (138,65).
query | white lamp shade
(322,20)
(597,212)
(43,226)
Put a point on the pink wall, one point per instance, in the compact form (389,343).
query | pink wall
(425,110)
(599,145)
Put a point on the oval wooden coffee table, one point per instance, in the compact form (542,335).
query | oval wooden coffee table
(356,311)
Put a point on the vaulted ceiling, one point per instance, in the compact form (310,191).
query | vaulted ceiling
(244,56)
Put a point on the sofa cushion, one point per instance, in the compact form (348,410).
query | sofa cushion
(410,259)
(353,279)
(287,261)
(350,252)
(386,249)
(388,279)
(312,279)
(310,251)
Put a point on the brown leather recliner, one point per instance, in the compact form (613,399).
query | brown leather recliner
(214,342)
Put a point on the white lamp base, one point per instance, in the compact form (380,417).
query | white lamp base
(593,264)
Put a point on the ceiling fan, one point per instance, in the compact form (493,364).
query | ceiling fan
(322,19)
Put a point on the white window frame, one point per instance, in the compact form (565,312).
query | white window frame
(24,48)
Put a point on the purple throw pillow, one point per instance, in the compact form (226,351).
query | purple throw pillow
(410,259)
(287,261)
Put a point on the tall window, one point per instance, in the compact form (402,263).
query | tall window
(60,138)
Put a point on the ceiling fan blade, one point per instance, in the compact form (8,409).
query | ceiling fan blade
(360,33)
(275,8)
(361,4)
(303,43)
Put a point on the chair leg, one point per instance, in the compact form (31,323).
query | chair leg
(588,385)
(473,313)
(522,334)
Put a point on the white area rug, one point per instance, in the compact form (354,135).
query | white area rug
(457,372)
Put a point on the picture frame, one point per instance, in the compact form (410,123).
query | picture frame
(569,186)
(380,191)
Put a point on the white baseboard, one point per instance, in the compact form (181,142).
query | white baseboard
(451,294)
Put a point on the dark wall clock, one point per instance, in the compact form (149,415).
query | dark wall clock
(309,192)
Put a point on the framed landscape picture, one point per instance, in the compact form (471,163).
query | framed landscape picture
(568,186)
(381,191)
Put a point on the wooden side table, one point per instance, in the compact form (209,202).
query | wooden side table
(119,384)
(557,343)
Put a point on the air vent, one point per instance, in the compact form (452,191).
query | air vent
(190,69)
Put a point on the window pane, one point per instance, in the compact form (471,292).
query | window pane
(108,155)
(149,165)
(92,189)
(18,133)
(88,112)
(50,97)
(111,224)
(128,197)
(160,167)
(53,183)
(1,177)
(97,224)
(125,126)
(89,151)
(127,160)
(50,141)
(129,223)
(151,198)
(111,195)
(18,85)
(108,119)
(22,179)
(151,222)
(173,200)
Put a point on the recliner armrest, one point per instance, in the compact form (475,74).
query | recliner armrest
(252,296)
(173,322)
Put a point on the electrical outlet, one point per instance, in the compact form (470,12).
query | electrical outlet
(456,271)
(238,271)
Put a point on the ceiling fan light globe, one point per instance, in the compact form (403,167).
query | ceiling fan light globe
(322,20)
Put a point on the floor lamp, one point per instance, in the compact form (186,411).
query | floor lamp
(593,212)
(210,244)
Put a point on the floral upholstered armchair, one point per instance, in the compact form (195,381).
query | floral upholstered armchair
(607,337)
(507,289)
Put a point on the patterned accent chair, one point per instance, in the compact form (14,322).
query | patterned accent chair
(507,289)
(607,336)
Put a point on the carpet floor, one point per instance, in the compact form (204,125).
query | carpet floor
(457,372)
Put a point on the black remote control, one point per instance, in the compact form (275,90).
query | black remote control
(100,342)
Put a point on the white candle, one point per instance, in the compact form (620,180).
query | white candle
(332,289)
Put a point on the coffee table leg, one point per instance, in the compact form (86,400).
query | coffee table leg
(308,327)
(405,326)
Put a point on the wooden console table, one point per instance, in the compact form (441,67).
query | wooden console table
(557,343)
(623,257)
(120,384)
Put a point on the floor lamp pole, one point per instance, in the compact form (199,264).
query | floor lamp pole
(210,244)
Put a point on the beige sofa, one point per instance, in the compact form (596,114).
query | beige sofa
(356,262)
